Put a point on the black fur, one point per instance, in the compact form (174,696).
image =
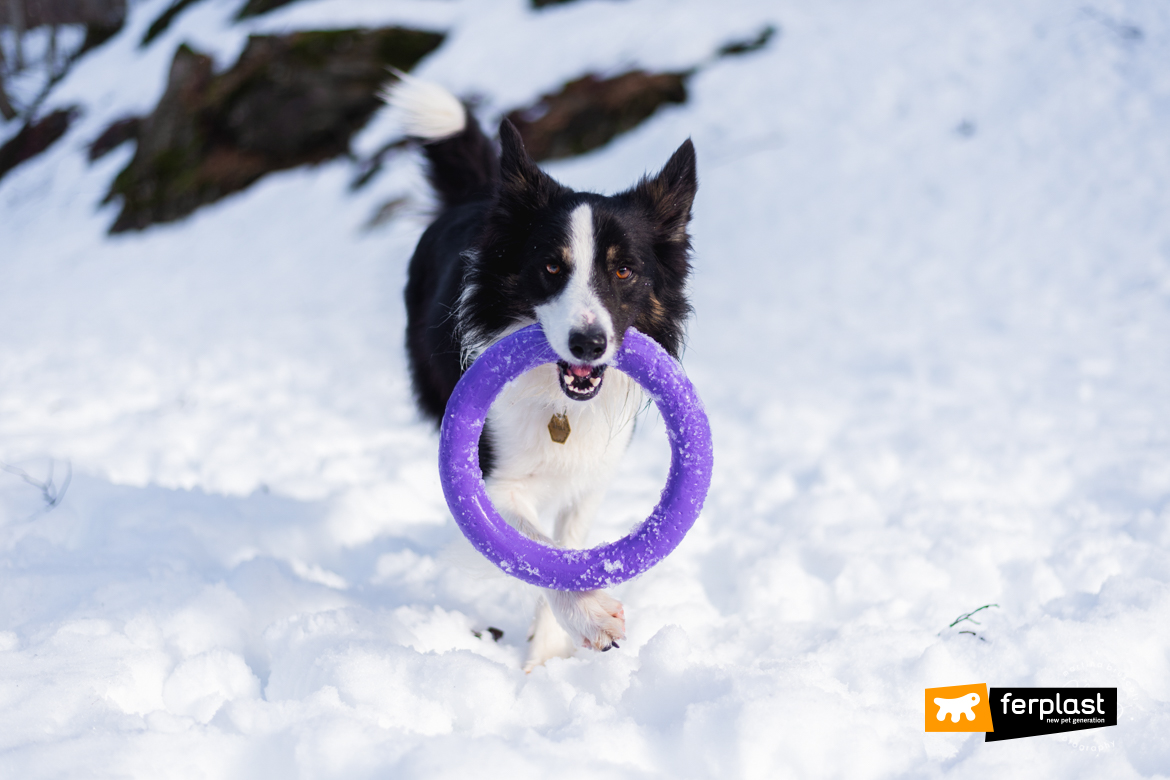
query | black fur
(503,221)
(463,168)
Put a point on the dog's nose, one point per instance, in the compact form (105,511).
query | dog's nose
(587,344)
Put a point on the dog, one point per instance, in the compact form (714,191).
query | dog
(509,247)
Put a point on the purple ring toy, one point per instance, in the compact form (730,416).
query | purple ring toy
(662,377)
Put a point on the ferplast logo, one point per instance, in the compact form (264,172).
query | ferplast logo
(1029,712)
(958,708)
(1012,713)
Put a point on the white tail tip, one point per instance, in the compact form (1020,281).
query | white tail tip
(424,109)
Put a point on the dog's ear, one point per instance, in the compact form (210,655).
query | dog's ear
(669,195)
(522,184)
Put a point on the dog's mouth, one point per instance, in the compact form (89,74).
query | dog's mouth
(580,382)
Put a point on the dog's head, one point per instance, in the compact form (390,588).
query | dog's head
(585,266)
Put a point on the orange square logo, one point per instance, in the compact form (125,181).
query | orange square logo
(958,708)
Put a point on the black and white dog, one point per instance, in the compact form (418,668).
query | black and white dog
(511,247)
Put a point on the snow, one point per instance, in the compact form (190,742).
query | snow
(932,296)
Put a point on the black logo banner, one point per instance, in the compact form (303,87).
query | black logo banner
(1028,712)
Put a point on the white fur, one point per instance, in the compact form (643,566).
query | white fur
(474,340)
(424,109)
(577,306)
(535,478)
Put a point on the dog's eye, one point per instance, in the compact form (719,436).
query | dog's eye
(624,273)
(553,268)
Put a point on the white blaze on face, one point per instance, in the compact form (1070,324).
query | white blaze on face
(577,306)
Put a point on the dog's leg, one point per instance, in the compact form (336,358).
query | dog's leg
(573,521)
(548,639)
(515,505)
(593,618)
(564,619)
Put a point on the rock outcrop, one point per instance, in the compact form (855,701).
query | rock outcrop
(34,138)
(589,112)
(289,100)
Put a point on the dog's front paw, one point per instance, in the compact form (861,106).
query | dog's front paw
(593,618)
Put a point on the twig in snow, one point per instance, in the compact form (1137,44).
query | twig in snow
(967,616)
(50,492)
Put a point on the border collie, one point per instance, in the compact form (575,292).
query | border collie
(510,247)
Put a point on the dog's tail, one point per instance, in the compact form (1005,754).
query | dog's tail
(462,163)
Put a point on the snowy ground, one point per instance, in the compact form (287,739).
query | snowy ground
(933,300)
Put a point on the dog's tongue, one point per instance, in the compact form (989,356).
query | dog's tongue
(581,371)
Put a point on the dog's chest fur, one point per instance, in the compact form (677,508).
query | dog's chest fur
(525,451)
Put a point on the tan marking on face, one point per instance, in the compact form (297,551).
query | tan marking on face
(611,253)
(657,310)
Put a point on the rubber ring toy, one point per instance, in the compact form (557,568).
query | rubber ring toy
(648,364)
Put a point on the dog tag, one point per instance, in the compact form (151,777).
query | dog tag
(558,428)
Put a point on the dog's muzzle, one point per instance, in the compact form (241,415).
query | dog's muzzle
(580,382)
